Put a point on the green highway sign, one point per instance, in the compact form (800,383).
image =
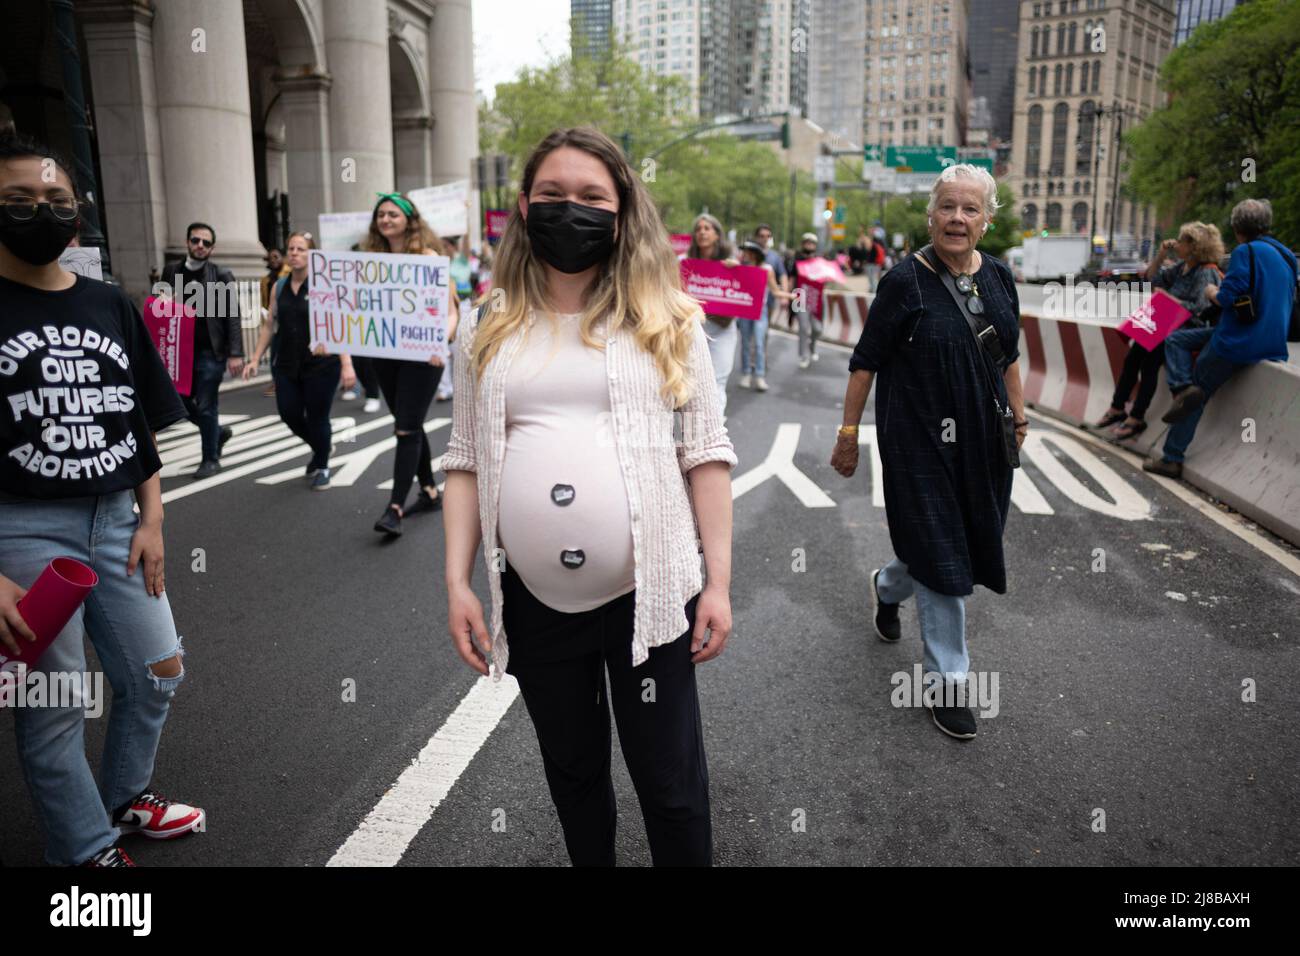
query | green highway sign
(920,159)
(871,154)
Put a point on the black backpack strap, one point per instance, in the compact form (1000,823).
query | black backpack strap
(985,334)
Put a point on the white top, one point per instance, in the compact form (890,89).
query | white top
(655,459)
(563,518)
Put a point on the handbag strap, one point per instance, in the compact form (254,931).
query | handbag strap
(985,334)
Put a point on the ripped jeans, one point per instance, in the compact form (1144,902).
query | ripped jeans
(129,630)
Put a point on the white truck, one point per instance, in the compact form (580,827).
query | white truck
(1054,257)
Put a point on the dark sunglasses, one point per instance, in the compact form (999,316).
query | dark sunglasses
(205,243)
(25,210)
(966,286)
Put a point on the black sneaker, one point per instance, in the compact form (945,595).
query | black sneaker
(1185,402)
(226,432)
(390,523)
(311,470)
(956,722)
(113,856)
(424,503)
(888,628)
(321,480)
(207,469)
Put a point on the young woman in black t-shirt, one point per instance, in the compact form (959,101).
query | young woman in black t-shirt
(82,390)
(305,379)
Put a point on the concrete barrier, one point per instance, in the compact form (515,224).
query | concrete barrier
(1247,446)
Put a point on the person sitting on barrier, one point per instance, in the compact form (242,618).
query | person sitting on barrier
(1198,249)
(1257,296)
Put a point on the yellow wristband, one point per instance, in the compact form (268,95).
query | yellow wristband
(848,429)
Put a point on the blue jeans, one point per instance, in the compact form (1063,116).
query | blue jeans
(129,630)
(942,617)
(201,402)
(753,335)
(1210,372)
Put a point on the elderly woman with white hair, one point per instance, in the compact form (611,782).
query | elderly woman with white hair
(941,344)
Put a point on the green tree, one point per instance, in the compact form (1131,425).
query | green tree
(1231,130)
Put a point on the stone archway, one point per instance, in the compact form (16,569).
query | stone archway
(412,122)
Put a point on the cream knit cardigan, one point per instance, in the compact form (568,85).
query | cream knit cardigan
(657,447)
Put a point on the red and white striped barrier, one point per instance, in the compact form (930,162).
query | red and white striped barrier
(1070,366)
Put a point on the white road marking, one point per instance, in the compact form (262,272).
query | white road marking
(346,469)
(1232,523)
(780,464)
(1125,504)
(408,805)
(867,436)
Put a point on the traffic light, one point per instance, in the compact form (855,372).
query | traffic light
(829,212)
(785,134)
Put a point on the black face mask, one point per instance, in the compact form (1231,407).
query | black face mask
(570,236)
(41,239)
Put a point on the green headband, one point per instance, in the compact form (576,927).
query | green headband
(397,200)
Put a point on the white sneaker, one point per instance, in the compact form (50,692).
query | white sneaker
(760,383)
(349,395)
(371,406)
(816,357)
(746,381)
(804,363)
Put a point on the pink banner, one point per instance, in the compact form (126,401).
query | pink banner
(496,222)
(814,274)
(681,243)
(172,330)
(1151,323)
(843,260)
(737,291)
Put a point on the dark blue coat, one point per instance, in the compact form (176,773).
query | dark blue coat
(946,501)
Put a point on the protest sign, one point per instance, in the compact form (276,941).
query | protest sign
(1153,321)
(681,243)
(814,275)
(445,208)
(171,326)
(378,304)
(737,291)
(84,261)
(342,230)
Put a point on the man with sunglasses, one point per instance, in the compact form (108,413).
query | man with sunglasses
(218,338)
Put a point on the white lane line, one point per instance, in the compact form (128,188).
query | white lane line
(1125,504)
(408,805)
(780,464)
(1233,523)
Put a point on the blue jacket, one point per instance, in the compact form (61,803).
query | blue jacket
(1275,278)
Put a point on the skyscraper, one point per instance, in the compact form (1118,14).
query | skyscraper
(1192,13)
(592,25)
(992,40)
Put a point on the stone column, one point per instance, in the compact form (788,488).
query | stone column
(120,59)
(452,101)
(360,102)
(305,107)
(203,117)
(411,139)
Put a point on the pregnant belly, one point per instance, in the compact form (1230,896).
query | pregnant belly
(563,517)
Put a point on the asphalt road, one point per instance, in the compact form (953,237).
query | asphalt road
(1119,691)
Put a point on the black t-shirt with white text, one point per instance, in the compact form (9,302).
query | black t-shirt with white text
(81,389)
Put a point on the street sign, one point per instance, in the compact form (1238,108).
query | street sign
(977,157)
(824,169)
(920,159)
(872,154)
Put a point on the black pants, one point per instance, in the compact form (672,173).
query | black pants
(303,397)
(560,661)
(408,389)
(1146,364)
(364,366)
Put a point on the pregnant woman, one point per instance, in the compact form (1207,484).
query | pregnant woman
(563,459)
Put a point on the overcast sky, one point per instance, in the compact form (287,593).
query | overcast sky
(509,34)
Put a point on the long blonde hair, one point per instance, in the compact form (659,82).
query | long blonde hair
(639,286)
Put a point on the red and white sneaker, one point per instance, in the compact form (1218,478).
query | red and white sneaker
(154,816)
(112,857)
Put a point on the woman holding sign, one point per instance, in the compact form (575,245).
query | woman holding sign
(305,379)
(408,386)
(565,461)
(707,242)
(84,390)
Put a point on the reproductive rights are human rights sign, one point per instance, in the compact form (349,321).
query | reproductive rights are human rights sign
(379,304)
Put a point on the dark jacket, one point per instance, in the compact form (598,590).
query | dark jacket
(224,330)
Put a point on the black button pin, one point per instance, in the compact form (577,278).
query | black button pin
(563,495)
(572,558)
